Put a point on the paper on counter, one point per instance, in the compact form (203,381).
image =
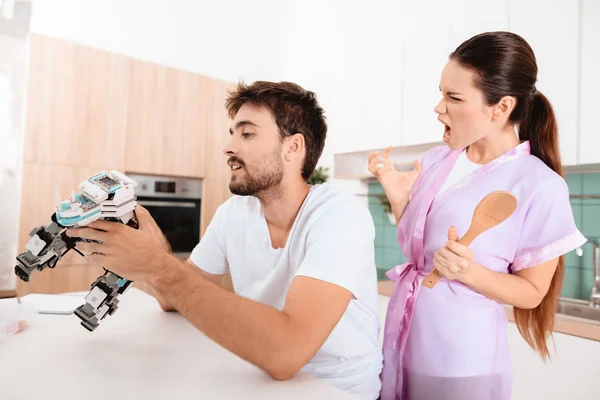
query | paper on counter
(53,303)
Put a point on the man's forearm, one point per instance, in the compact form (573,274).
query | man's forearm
(504,288)
(256,332)
(165,304)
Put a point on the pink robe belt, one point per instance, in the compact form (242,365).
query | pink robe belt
(402,303)
(399,315)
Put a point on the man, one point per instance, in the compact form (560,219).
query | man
(301,257)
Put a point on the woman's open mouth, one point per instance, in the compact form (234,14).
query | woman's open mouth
(446,133)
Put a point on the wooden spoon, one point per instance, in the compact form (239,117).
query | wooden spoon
(492,210)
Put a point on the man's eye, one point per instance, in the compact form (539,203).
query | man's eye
(247,134)
(455,98)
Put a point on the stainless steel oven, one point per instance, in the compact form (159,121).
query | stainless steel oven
(174,203)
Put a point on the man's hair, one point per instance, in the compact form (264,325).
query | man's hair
(295,111)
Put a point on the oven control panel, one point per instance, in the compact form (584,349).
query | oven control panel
(164,186)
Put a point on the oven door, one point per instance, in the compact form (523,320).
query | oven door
(179,219)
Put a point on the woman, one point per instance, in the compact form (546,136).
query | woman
(450,342)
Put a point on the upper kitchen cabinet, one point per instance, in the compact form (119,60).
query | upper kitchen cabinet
(218,173)
(426,49)
(472,17)
(364,69)
(430,37)
(168,121)
(76,105)
(552,30)
(590,83)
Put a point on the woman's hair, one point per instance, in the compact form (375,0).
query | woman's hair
(505,66)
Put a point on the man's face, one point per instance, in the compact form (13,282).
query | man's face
(255,152)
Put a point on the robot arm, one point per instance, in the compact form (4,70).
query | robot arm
(102,300)
(109,196)
(48,244)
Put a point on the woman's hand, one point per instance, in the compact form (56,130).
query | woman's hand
(453,260)
(397,185)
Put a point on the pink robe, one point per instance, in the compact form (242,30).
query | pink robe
(450,342)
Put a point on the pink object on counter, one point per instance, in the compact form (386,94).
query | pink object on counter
(12,327)
(450,342)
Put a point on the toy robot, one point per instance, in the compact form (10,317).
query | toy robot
(108,195)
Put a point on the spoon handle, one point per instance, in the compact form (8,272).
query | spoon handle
(432,279)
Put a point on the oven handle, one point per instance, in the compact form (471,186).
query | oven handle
(178,204)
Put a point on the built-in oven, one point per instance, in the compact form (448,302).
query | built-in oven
(174,203)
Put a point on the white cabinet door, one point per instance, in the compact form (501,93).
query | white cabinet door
(366,106)
(426,49)
(438,27)
(472,17)
(551,27)
(589,150)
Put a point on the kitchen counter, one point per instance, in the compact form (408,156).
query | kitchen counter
(139,352)
(562,323)
(571,373)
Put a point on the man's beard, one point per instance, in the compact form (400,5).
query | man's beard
(269,176)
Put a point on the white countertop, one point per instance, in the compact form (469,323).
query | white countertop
(139,352)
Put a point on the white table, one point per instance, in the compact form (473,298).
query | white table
(139,352)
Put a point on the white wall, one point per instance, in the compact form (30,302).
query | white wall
(13,61)
(229,40)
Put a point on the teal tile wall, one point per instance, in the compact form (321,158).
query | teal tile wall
(387,251)
(578,270)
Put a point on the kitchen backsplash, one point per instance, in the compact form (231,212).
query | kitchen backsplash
(579,271)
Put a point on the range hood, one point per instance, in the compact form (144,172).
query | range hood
(353,165)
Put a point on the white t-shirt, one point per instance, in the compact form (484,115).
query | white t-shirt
(461,169)
(332,239)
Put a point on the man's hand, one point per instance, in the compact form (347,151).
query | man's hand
(148,224)
(135,254)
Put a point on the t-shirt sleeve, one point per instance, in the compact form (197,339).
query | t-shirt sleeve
(209,255)
(340,247)
(549,229)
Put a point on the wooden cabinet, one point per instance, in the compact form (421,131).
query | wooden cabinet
(88,107)
(589,100)
(552,30)
(76,105)
(218,173)
(167,121)
(89,111)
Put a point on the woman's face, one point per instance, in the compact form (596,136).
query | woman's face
(462,109)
